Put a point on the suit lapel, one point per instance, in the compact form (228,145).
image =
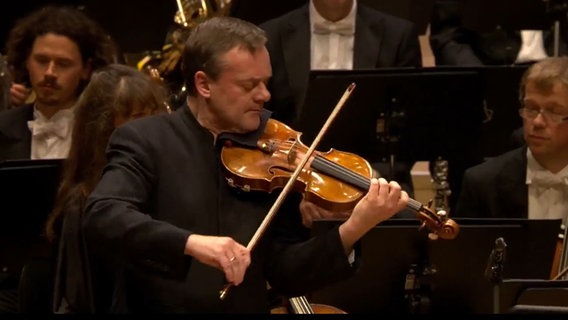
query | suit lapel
(513,188)
(296,48)
(368,39)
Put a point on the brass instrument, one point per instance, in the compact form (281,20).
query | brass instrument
(166,61)
(192,12)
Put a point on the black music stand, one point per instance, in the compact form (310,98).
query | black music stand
(392,277)
(461,285)
(402,271)
(27,194)
(534,296)
(412,114)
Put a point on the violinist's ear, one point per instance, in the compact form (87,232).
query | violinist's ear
(202,84)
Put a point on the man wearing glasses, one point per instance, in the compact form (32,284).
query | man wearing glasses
(530,181)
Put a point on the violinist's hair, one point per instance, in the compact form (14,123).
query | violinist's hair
(211,39)
(545,74)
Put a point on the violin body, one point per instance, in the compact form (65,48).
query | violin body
(333,180)
(271,164)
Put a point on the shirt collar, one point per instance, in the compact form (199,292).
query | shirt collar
(316,17)
(534,169)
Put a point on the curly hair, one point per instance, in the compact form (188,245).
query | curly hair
(94,43)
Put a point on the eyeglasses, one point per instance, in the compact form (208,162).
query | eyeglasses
(549,116)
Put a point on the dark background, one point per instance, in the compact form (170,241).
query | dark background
(142,25)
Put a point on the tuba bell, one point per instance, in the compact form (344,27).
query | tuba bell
(165,64)
(192,12)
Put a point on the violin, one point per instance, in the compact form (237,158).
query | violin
(280,161)
(334,180)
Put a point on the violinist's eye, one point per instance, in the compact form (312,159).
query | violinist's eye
(247,85)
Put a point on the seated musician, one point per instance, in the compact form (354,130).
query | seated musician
(530,181)
(54,50)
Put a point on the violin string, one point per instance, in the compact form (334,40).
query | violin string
(339,172)
(330,167)
(349,176)
(327,166)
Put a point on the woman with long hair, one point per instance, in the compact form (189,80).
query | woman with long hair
(115,94)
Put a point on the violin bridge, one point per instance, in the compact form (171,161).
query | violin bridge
(292,154)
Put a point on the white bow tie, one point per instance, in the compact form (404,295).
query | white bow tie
(548,179)
(343,28)
(59,129)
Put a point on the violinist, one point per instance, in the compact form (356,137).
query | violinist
(531,180)
(167,221)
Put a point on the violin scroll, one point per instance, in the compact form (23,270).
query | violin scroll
(439,225)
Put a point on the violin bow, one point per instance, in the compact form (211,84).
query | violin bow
(288,187)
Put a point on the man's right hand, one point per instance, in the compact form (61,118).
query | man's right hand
(222,253)
(18,94)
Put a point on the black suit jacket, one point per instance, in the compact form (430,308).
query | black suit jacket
(381,41)
(15,136)
(453,44)
(164,181)
(496,188)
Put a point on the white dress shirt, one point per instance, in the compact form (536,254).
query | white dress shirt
(332,42)
(548,192)
(51,138)
(532,46)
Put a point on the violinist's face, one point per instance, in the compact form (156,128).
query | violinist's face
(237,96)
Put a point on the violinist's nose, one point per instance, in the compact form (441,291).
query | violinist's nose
(262,94)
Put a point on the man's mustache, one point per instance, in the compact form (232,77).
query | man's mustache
(49,83)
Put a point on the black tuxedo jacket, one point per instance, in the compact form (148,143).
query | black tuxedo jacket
(381,41)
(15,136)
(496,188)
(164,181)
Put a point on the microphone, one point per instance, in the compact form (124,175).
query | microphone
(495,262)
